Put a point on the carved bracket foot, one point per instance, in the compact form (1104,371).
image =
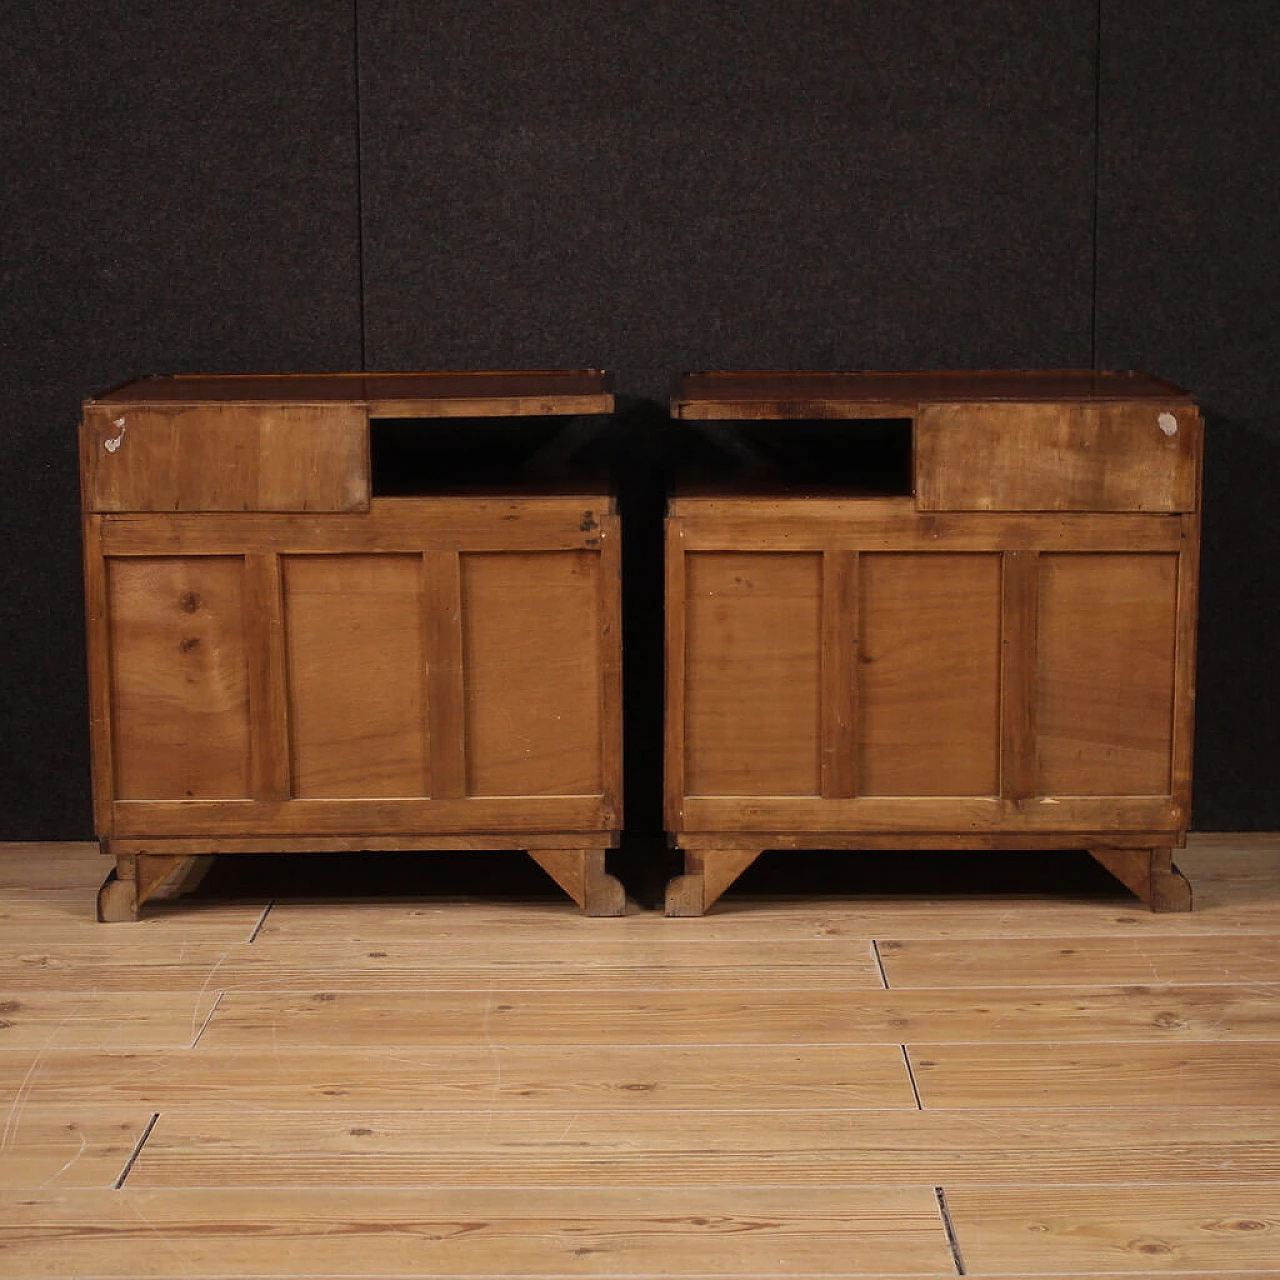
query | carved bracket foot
(581,874)
(708,873)
(1150,874)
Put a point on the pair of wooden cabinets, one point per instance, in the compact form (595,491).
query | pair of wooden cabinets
(975,631)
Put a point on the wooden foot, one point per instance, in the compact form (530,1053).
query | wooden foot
(581,874)
(707,874)
(117,899)
(140,877)
(1150,874)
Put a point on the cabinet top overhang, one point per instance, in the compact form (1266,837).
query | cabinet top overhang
(500,393)
(780,394)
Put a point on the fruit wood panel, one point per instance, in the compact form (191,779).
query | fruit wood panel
(894,524)
(694,1016)
(406,525)
(179,677)
(1104,695)
(928,700)
(1030,1230)
(583,1231)
(531,645)
(76,1145)
(494,1077)
(1189,1074)
(751,674)
(726,1147)
(1057,457)
(225,458)
(355,675)
(769,814)
(1073,961)
(156,819)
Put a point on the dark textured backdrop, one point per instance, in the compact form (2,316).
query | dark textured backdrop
(307,184)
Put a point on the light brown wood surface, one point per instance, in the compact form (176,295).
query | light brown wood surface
(1056,1084)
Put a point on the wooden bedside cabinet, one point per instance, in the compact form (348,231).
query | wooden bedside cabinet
(306,634)
(962,618)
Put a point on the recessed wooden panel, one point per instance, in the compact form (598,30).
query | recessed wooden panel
(179,677)
(356,674)
(531,657)
(1105,672)
(1057,457)
(237,457)
(753,631)
(929,675)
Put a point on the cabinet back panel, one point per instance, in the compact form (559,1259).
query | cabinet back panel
(179,677)
(531,657)
(929,674)
(1105,668)
(753,631)
(1057,457)
(355,675)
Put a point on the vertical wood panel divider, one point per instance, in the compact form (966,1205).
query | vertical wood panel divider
(1184,673)
(676,770)
(98,634)
(841,634)
(1019,629)
(271,766)
(446,697)
(609,605)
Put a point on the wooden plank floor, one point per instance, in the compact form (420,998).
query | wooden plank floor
(1036,1084)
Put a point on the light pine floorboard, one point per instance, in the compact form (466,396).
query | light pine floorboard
(1022,1085)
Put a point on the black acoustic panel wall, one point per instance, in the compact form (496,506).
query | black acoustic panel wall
(674,184)
(1189,287)
(180,193)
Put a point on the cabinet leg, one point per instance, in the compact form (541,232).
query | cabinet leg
(118,898)
(707,874)
(139,877)
(581,874)
(1150,874)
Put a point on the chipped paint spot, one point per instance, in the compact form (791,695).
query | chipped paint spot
(1168,424)
(112,444)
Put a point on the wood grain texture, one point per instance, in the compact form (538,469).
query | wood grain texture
(356,670)
(68,1146)
(929,675)
(1165,1229)
(209,457)
(179,678)
(735,1147)
(1057,457)
(1197,1073)
(1104,688)
(753,637)
(1062,1015)
(497,1077)
(531,646)
(585,1231)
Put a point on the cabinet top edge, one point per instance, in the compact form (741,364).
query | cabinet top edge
(796,394)
(461,393)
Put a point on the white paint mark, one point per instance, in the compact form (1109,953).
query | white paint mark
(117,440)
(1168,424)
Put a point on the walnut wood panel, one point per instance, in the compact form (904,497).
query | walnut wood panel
(752,689)
(484,393)
(355,675)
(929,675)
(811,394)
(1104,688)
(225,458)
(178,678)
(531,651)
(1057,457)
